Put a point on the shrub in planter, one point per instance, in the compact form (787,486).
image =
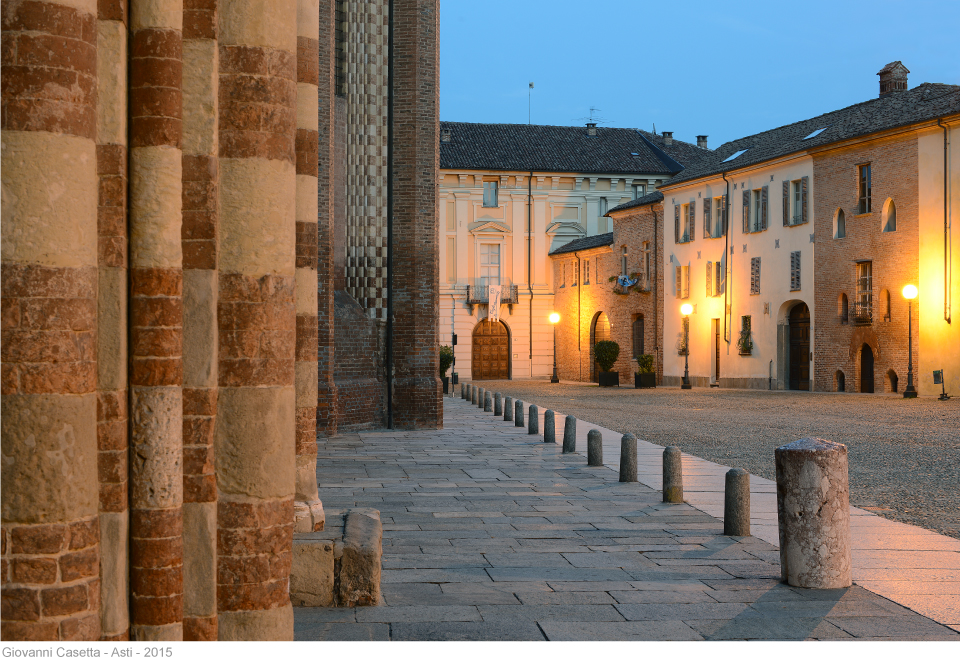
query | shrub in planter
(645,376)
(446,359)
(606,353)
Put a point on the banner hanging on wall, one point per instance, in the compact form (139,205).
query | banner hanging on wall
(493,298)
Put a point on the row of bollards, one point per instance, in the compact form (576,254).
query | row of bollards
(813,508)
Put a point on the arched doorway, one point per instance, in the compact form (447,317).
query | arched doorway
(800,347)
(866,369)
(599,331)
(491,351)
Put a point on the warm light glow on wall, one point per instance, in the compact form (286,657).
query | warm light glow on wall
(909,292)
(554,317)
(686,309)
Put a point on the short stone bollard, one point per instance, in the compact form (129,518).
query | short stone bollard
(594,447)
(628,457)
(549,427)
(518,414)
(736,503)
(533,425)
(463,391)
(498,404)
(480,397)
(473,394)
(488,402)
(508,409)
(672,476)
(570,435)
(813,509)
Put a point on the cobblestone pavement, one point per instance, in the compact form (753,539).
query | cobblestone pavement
(491,534)
(904,454)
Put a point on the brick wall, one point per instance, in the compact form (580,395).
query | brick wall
(894,255)
(358,371)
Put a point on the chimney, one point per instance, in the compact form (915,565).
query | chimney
(445,134)
(702,141)
(668,138)
(591,128)
(893,78)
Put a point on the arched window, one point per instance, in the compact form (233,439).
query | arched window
(888,218)
(893,381)
(843,308)
(885,304)
(839,224)
(638,336)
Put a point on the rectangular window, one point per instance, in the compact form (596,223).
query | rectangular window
(755,276)
(451,216)
(757,212)
(719,278)
(451,259)
(489,264)
(490,193)
(865,191)
(795,271)
(797,215)
(575,274)
(586,271)
(685,214)
(686,281)
(717,217)
(646,265)
(639,190)
(863,306)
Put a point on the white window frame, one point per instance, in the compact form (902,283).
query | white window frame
(491,194)
(485,280)
(756,210)
(639,190)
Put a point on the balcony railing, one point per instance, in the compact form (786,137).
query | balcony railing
(478,295)
(861,313)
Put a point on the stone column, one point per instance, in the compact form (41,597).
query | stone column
(50,532)
(813,509)
(308,511)
(112,418)
(156,320)
(199,237)
(327,398)
(256,412)
(417,398)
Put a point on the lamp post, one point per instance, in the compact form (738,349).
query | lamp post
(686,310)
(554,319)
(910,292)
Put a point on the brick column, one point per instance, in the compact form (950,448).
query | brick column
(156,321)
(308,511)
(198,235)
(112,418)
(50,529)
(255,434)
(417,389)
(327,403)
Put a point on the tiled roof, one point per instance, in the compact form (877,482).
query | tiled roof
(922,103)
(652,198)
(522,148)
(586,243)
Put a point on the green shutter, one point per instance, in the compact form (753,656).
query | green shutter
(676,223)
(707,204)
(763,209)
(803,199)
(746,211)
(786,203)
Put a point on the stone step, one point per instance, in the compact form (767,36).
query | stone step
(339,566)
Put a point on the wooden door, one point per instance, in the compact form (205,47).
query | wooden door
(491,351)
(866,369)
(716,349)
(800,347)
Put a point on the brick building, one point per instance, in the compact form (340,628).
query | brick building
(509,194)
(593,306)
(170,338)
(793,247)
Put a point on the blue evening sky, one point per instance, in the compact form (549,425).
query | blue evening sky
(724,69)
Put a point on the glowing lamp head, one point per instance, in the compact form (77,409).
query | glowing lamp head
(686,309)
(909,292)
(554,317)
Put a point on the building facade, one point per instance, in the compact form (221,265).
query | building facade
(511,194)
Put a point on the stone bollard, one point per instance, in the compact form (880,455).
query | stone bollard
(594,447)
(518,414)
(498,404)
(549,427)
(813,509)
(533,425)
(488,402)
(672,476)
(628,457)
(473,394)
(736,503)
(480,396)
(465,391)
(570,435)
(508,409)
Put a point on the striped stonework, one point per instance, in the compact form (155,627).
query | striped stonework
(50,532)
(256,313)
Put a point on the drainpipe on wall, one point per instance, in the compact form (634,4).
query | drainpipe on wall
(726,259)
(390,215)
(947,262)
(656,293)
(530,260)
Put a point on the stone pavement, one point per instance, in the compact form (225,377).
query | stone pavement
(491,534)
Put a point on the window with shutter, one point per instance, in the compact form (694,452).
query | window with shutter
(676,224)
(709,279)
(723,215)
(795,271)
(755,276)
(707,218)
(720,279)
(786,203)
(746,211)
(679,281)
(804,186)
(686,281)
(692,229)
(763,209)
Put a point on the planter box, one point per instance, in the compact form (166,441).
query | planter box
(446,384)
(609,378)
(644,380)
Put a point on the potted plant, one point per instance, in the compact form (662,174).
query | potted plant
(606,353)
(446,359)
(645,376)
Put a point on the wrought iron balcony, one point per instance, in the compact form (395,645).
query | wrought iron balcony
(861,313)
(478,295)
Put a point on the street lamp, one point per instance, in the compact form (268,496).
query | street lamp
(686,310)
(554,319)
(910,292)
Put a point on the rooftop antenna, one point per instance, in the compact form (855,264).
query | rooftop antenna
(594,120)
(528,103)
(654,128)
